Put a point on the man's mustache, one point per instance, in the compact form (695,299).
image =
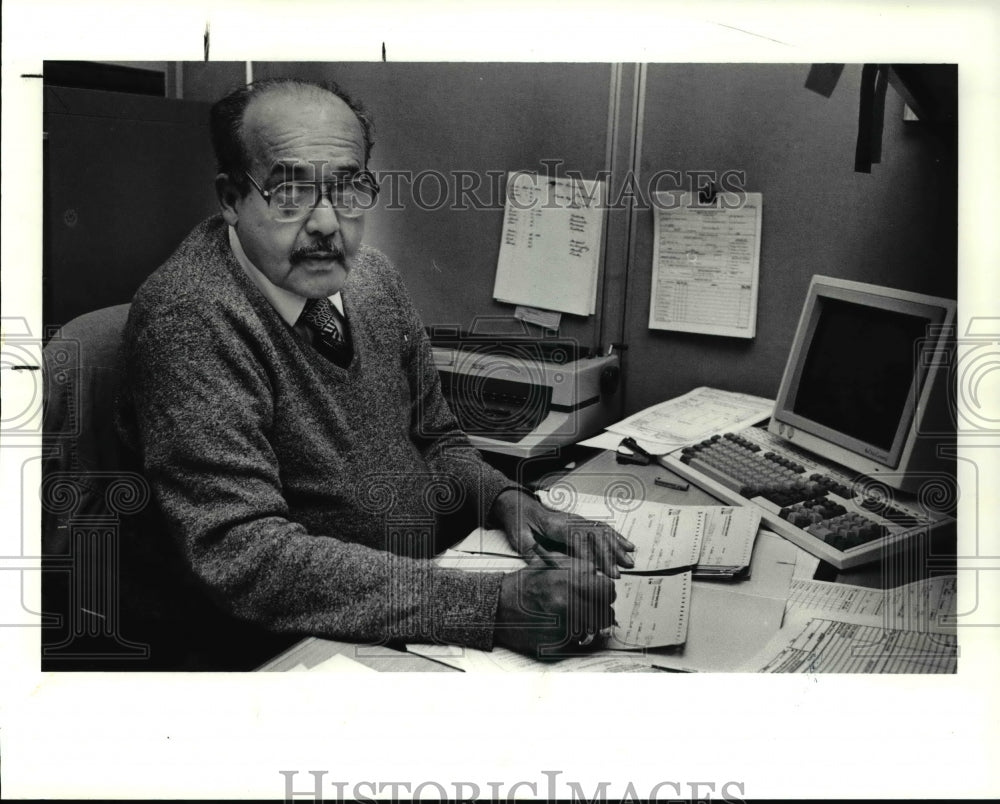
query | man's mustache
(325,252)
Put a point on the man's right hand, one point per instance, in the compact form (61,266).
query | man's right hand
(553,605)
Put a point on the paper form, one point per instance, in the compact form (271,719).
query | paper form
(837,628)
(706,261)
(551,243)
(670,537)
(831,646)
(665,537)
(697,415)
(651,610)
(729,535)
(927,605)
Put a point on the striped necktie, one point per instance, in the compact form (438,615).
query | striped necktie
(329,329)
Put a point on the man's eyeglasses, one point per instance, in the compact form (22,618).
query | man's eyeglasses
(292,201)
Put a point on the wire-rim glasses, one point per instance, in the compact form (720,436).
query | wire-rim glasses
(291,201)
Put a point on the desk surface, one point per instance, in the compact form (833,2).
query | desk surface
(599,475)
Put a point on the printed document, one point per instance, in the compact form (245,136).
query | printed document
(669,537)
(706,264)
(551,243)
(837,628)
(693,417)
(832,646)
(651,610)
(925,605)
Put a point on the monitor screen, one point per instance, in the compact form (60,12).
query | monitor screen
(858,378)
(859,370)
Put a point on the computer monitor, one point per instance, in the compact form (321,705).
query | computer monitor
(865,382)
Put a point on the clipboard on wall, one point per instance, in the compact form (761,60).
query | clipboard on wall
(706,263)
(551,243)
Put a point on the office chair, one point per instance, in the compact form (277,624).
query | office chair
(91,497)
(115,593)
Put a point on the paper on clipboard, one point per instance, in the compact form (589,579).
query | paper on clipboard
(706,264)
(551,245)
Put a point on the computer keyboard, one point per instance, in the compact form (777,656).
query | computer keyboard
(825,509)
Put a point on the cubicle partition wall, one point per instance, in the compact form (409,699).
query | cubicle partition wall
(896,226)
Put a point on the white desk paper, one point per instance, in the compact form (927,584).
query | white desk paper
(341,664)
(492,541)
(706,263)
(696,415)
(551,244)
(502,660)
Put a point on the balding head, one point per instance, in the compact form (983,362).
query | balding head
(229,117)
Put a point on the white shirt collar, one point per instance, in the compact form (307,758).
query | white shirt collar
(288,305)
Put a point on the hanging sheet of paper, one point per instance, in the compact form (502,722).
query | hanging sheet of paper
(542,318)
(706,263)
(551,244)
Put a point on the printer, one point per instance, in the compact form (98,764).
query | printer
(526,397)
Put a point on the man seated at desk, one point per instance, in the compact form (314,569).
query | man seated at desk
(281,394)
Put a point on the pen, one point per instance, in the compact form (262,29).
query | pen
(432,659)
(668,669)
(668,484)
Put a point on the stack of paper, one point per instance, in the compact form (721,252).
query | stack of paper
(837,628)
(693,417)
(659,597)
(726,624)
(728,541)
(715,541)
(651,610)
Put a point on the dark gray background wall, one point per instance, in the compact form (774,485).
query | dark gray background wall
(126,178)
(137,174)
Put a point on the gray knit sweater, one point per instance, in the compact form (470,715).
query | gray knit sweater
(303,495)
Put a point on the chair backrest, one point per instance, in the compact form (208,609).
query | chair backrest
(91,492)
(108,576)
(85,467)
(82,373)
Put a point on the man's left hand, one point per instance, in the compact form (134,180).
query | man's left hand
(530,526)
